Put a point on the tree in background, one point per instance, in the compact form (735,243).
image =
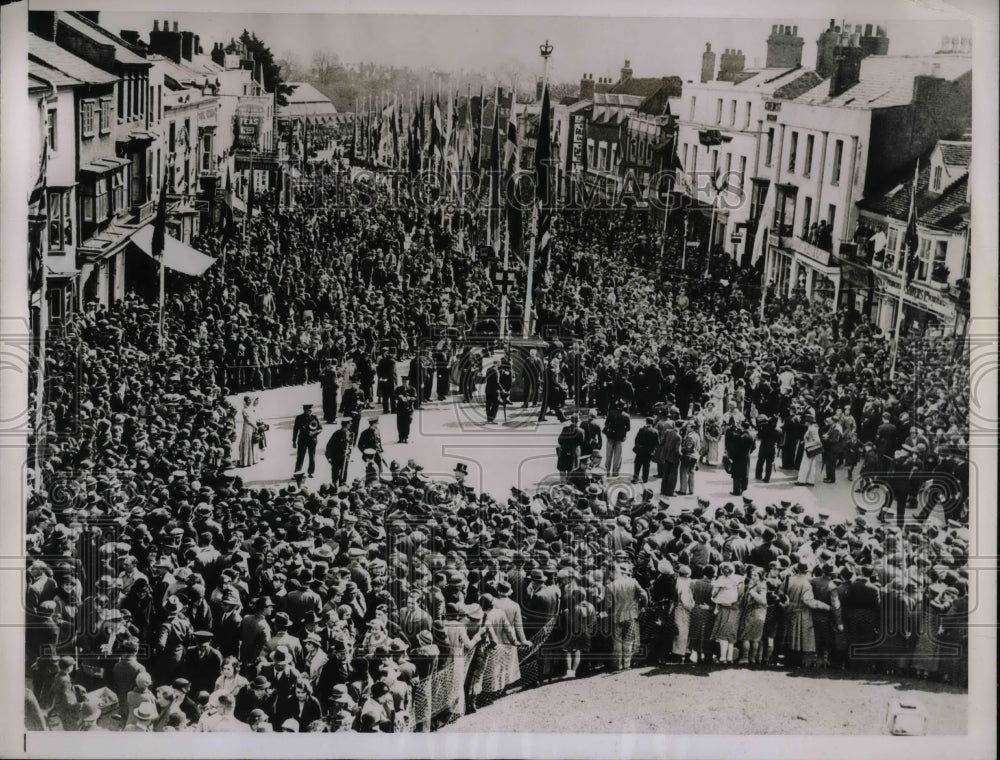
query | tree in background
(261,54)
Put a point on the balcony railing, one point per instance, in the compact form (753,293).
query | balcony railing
(142,212)
(810,251)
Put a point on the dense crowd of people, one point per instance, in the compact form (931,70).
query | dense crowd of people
(163,590)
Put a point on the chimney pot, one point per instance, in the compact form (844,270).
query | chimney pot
(166,25)
(774,29)
(708,47)
(795,31)
(831,24)
(156,25)
(868,30)
(176,27)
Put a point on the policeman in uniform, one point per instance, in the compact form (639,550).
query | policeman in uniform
(372,439)
(386,372)
(329,384)
(404,403)
(492,392)
(337,450)
(304,435)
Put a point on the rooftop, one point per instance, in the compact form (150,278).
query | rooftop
(945,210)
(645,86)
(955,153)
(123,52)
(41,76)
(887,81)
(55,57)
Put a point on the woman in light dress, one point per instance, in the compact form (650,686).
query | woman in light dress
(248,450)
(712,426)
(810,464)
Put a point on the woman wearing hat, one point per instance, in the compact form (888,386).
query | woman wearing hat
(798,637)
(753,611)
(682,613)
(460,646)
(248,447)
(811,453)
(725,596)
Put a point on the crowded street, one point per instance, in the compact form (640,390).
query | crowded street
(354,456)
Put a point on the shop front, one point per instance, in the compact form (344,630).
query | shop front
(926,310)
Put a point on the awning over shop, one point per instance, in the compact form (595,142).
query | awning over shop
(104,165)
(176,255)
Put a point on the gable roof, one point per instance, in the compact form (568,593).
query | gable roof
(123,53)
(955,153)
(306,93)
(945,210)
(62,60)
(887,81)
(646,86)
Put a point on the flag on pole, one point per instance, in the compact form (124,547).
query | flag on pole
(911,240)
(511,164)
(495,174)
(764,219)
(543,175)
(159,241)
(37,211)
(435,149)
(478,108)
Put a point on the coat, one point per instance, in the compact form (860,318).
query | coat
(797,633)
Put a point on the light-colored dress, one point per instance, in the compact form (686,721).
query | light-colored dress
(682,615)
(810,464)
(248,451)
(459,646)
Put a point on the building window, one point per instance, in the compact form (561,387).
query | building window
(105,115)
(55,214)
(590,154)
(746,120)
(206,153)
(121,101)
(732,113)
(94,200)
(923,268)
(715,164)
(117,192)
(810,144)
(602,159)
(87,108)
(718,111)
(52,135)
(729,168)
(937,179)
(743,171)
(172,139)
(793,148)
(67,217)
(831,217)
(838,158)
(769,151)
(807,209)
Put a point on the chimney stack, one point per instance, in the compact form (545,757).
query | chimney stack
(166,43)
(784,47)
(626,71)
(187,45)
(587,87)
(847,65)
(707,63)
(731,65)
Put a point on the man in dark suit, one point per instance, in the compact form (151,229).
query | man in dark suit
(385,370)
(646,441)
(739,449)
(541,604)
(337,449)
(329,385)
(305,432)
(592,437)
(203,663)
(492,392)
(372,439)
(670,455)
(403,406)
(767,438)
(230,622)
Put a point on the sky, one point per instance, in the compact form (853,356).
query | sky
(497,46)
